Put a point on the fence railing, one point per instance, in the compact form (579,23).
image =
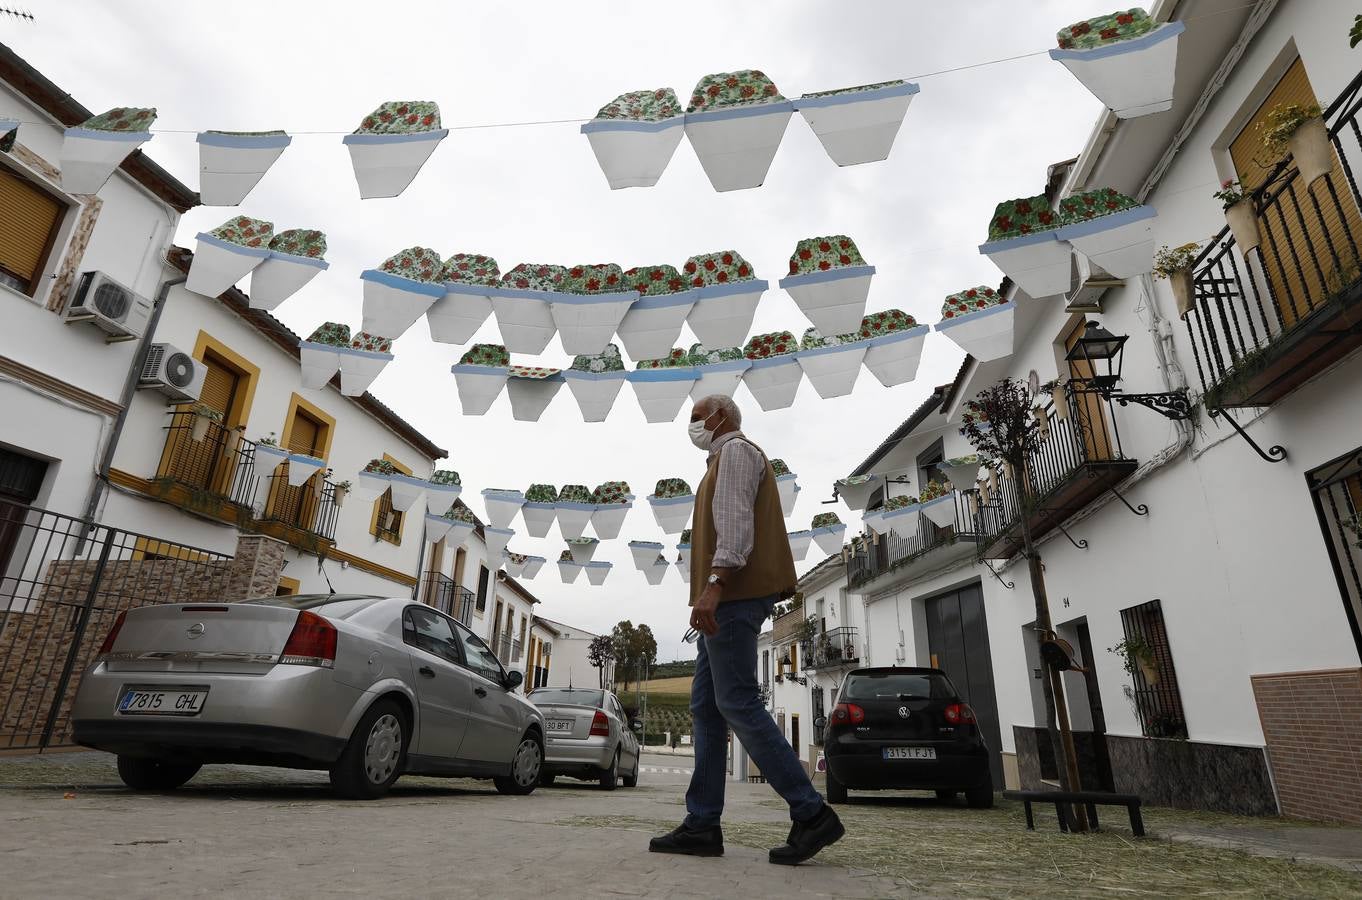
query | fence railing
(891,552)
(834,647)
(449,597)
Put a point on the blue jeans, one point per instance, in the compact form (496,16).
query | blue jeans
(723,695)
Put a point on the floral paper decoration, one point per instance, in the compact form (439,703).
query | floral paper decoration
(728,291)
(455,317)
(92,150)
(392,143)
(735,122)
(231,163)
(635,135)
(1125,58)
(653,322)
(1110,229)
(979,321)
(295,258)
(858,124)
(829,281)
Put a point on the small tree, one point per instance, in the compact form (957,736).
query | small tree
(600,653)
(622,640)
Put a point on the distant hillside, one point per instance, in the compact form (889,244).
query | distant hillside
(683,669)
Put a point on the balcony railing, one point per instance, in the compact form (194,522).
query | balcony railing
(309,508)
(507,649)
(1268,319)
(891,553)
(834,647)
(453,599)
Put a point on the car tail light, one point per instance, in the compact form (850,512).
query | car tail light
(311,643)
(600,725)
(847,714)
(107,647)
(959,714)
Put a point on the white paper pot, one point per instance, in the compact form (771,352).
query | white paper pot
(568,571)
(89,156)
(440,497)
(719,378)
(268,459)
(653,324)
(723,313)
(834,301)
(502,506)
(230,165)
(531,396)
(1040,264)
(858,128)
(586,323)
(986,335)
(478,386)
(359,368)
(874,521)
(893,358)
(496,540)
(799,544)
(655,573)
(672,513)
(1132,78)
(532,566)
(573,518)
(301,468)
(524,318)
(829,539)
(513,568)
(774,381)
(436,528)
(597,572)
(1310,149)
(644,553)
(855,496)
(788,491)
(583,553)
(392,304)
(457,316)
(735,145)
(368,485)
(941,511)
(595,392)
(1122,243)
(406,491)
(965,474)
(1243,221)
(631,153)
(684,554)
(661,392)
(538,518)
(683,569)
(219,264)
(458,534)
(281,276)
(833,370)
(608,519)
(386,163)
(903,521)
(320,362)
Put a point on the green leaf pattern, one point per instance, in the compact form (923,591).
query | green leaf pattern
(245,231)
(1025,215)
(720,267)
(643,106)
(1111,28)
(671,487)
(594,278)
(609,361)
(1093,204)
(122,118)
(776,343)
(655,280)
(731,89)
(821,254)
(333,334)
(471,268)
(402,117)
(416,263)
(486,355)
(307,242)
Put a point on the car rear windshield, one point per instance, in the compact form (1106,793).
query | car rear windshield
(898,686)
(307,601)
(574,696)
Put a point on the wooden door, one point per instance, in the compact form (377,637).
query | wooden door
(203,464)
(1091,414)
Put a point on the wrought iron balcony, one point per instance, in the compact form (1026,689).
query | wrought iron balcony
(206,471)
(834,647)
(932,546)
(449,597)
(307,511)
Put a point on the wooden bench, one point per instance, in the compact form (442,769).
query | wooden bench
(1090,800)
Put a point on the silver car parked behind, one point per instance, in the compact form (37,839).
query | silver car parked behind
(365,687)
(588,736)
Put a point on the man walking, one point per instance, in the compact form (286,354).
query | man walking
(741,566)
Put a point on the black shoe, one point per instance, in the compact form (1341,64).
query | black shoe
(807,838)
(690,842)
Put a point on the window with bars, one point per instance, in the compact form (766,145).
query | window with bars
(1157,700)
(387,520)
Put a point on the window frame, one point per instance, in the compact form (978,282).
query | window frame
(388,535)
(52,241)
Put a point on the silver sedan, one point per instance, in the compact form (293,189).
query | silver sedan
(588,736)
(365,687)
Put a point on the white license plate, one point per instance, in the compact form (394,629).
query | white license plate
(158,702)
(910,753)
(558,726)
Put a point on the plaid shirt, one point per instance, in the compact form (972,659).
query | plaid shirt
(741,466)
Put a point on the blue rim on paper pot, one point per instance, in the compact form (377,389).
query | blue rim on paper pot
(648,127)
(837,274)
(947,324)
(907,88)
(676,373)
(355,351)
(97,134)
(238,141)
(471,369)
(744,111)
(732,288)
(1143,42)
(835,348)
(404,138)
(894,337)
(665,301)
(1023,240)
(301,260)
(387,279)
(1105,223)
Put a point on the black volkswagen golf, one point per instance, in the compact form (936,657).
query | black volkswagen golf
(905,729)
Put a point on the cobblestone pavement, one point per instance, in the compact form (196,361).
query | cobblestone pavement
(71,830)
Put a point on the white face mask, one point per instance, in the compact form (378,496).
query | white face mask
(700,436)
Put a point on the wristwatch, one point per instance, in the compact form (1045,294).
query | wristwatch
(714,579)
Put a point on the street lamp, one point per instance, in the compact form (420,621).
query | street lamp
(1103,354)
(787,669)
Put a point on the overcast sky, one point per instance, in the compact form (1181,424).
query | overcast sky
(535,194)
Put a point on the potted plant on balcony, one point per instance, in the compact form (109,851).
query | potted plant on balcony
(463,524)
(901,516)
(301,467)
(857,124)
(231,163)
(720,371)
(657,571)
(588,305)
(225,255)
(538,510)
(496,540)
(653,323)
(319,355)
(1110,229)
(727,292)
(786,486)
(92,150)
(583,549)
(828,531)
(595,382)
(1176,265)
(363,361)
(455,317)
(895,349)
(442,489)
(531,389)
(1023,242)
(568,569)
(295,259)
(481,373)
(978,320)
(683,548)
(203,416)
(938,503)
(855,490)
(1240,214)
(832,364)
(775,374)
(662,385)
(437,527)
(829,281)
(612,501)
(502,505)
(340,490)
(644,553)
(521,304)
(597,571)
(672,502)
(1125,59)
(391,145)
(1137,653)
(1300,131)
(735,122)
(400,291)
(574,508)
(268,455)
(635,135)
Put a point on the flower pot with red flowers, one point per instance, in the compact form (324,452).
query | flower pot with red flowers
(442,489)
(225,255)
(672,502)
(588,305)
(858,124)
(644,553)
(829,281)
(597,572)
(532,566)
(1240,214)
(521,305)
(496,540)
(938,503)
(392,144)
(635,135)
(1023,242)
(895,349)
(583,549)
(657,571)
(653,323)
(466,304)
(1110,229)
(231,163)
(481,373)
(320,354)
(799,544)
(568,570)
(1175,265)
(728,292)
(720,371)
(612,501)
(400,291)
(574,508)
(979,321)
(360,363)
(855,490)
(662,385)
(531,389)
(463,524)
(301,467)
(900,516)
(775,374)
(92,150)
(735,122)
(1300,131)
(595,382)
(538,510)
(1125,58)
(295,259)
(832,364)
(787,486)
(502,505)
(437,527)
(828,532)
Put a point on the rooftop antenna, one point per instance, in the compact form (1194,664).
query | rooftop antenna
(321,568)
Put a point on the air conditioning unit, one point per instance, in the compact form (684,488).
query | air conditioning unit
(173,372)
(106,303)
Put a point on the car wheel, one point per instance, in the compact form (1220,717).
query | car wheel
(631,780)
(525,768)
(547,780)
(610,778)
(835,790)
(980,798)
(373,758)
(143,774)
(946,796)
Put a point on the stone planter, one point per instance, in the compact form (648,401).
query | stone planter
(986,335)
(455,317)
(385,164)
(1133,77)
(634,153)
(893,358)
(392,304)
(857,126)
(661,392)
(230,165)
(502,506)
(219,264)
(736,144)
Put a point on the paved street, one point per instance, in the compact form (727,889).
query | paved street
(71,830)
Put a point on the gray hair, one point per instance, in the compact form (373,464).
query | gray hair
(724,404)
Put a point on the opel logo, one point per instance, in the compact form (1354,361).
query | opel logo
(195,630)
(903,710)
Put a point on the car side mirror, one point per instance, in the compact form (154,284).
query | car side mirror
(514,679)
(636,724)
(820,722)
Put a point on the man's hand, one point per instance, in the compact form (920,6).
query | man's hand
(702,613)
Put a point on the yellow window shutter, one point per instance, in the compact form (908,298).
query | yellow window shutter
(26,228)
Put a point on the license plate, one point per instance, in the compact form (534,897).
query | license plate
(558,726)
(910,753)
(162,702)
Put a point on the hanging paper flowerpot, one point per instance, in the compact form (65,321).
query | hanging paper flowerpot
(672,502)
(938,503)
(735,122)
(1125,59)
(515,564)
(961,469)
(225,255)
(901,516)
(295,259)
(532,566)
(496,540)
(462,525)
(1110,229)
(978,321)
(588,305)
(268,459)
(93,149)
(583,549)
(727,294)
(538,510)
(502,505)
(799,544)
(828,531)
(481,373)
(644,553)
(612,501)
(596,572)
(774,376)
(568,569)
(437,526)
(231,163)
(683,549)
(831,364)
(301,467)
(320,354)
(574,508)
(360,363)
(720,371)
(442,489)
(895,346)
(521,305)
(653,322)
(392,144)
(855,490)
(531,390)
(829,282)
(406,490)
(657,571)
(399,292)
(466,304)
(595,382)
(857,124)
(683,569)
(785,486)
(873,521)
(373,480)
(635,136)
(662,385)
(1022,241)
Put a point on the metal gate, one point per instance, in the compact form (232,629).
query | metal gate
(1336,488)
(62,584)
